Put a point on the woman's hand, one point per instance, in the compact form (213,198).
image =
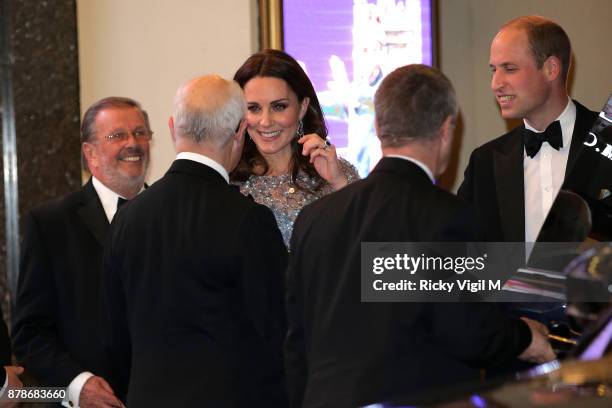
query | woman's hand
(323,157)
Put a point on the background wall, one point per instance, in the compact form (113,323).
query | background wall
(146,48)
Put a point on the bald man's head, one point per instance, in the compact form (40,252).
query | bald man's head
(208,109)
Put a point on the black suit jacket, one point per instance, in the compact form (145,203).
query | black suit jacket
(494,183)
(194,289)
(341,352)
(56,332)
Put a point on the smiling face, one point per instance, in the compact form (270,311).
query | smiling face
(522,90)
(273,113)
(119,163)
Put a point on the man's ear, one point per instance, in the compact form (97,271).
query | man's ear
(89,153)
(447,131)
(304,107)
(237,146)
(240,133)
(171,127)
(552,68)
(445,143)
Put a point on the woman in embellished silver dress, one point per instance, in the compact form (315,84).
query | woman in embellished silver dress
(287,161)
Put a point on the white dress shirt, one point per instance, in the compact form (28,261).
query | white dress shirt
(107,197)
(544,174)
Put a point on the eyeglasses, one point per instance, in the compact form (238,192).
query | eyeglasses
(122,135)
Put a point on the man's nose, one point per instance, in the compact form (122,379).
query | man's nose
(131,139)
(497,81)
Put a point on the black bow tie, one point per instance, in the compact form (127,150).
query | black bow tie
(533,141)
(120,202)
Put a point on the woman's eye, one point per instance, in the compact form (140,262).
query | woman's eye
(279,107)
(253,108)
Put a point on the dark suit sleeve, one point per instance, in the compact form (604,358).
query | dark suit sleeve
(295,348)
(35,340)
(478,333)
(466,189)
(263,267)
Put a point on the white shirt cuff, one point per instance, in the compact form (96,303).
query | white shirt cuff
(74,389)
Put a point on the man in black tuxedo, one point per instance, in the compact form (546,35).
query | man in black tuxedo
(514,179)
(344,353)
(56,333)
(194,272)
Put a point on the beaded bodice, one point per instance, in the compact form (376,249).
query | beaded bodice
(286,200)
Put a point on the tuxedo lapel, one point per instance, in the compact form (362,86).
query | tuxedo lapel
(92,214)
(584,121)
(588,172)
(510,191)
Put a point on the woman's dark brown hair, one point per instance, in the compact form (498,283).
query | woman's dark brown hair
(278,64)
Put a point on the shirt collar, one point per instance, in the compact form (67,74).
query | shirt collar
(107,197)
(566,119)
(418,163)
(205,160)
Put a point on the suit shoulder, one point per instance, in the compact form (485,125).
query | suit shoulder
(441,201)
(311,211)
(251,215)
(58,205)
(346,193)
(499,143)
(459,219)
(244,206)
(583,110)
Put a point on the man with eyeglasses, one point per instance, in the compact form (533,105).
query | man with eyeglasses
(56,334)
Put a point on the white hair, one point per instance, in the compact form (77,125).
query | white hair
(211,117)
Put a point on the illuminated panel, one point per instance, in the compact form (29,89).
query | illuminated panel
(347,47)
